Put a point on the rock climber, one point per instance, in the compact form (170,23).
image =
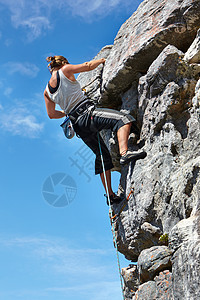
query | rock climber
(63,89)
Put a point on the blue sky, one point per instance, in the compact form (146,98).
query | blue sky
(50,252)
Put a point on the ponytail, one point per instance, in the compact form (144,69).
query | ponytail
(56,61)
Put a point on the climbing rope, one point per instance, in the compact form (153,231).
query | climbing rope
(111,214)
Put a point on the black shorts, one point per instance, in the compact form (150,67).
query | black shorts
(102,118)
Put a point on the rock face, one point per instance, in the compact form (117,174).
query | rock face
(159,289)
(153,260)
(152,71)
(142,37)
(193,53)
(91,81)
(131,280)
(185,243)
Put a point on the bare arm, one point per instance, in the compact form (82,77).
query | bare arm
(85,67)
(50,107)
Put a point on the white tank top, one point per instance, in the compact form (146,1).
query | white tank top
(68,94)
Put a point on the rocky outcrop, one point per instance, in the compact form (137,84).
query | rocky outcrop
(153,260)
(184,241)
(131,280)
(142,37)
(193,53)
(152,71)
(91,81)
(159,289)
(152,277)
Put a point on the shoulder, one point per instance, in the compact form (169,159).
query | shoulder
(66,68)
(68,71)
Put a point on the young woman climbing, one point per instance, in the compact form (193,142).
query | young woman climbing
(63,89)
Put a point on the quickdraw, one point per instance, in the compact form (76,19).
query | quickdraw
(116,216)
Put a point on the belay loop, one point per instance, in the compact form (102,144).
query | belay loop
(111,214)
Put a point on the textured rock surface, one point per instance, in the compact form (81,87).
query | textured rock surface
(146,291)
(150,73)
(170,128)
(153,260)
(143,36)
(159,289)
(91,81)
(131,280)
(185,242)
(193,53)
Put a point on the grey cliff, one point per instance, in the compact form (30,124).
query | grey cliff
(152,71)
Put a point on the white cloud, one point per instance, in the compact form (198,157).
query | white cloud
(98,290)
(19,121)
(5,90)
(35,25)
(66,259)
(37,16)
(31,15)
(106,290)
(63,258)
(21,117)
(8,91)
(81,271)
(25,68)
(8,42)
(96,8)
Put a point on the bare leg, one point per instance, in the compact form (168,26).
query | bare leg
(126,157)
(108,178)
(122,135)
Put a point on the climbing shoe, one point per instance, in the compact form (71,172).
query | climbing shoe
(132,155)
(114,199)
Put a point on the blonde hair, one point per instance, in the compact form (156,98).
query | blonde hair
(56,61)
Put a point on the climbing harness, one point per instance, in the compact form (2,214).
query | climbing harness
(111,214)
(116,216)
